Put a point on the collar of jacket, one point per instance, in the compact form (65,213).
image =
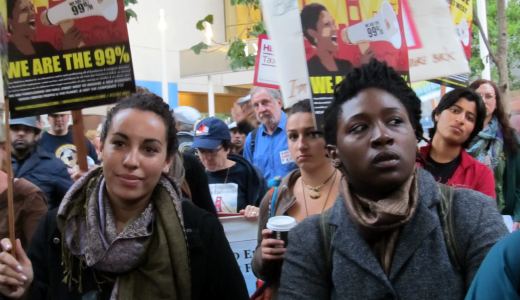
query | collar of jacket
(348,242)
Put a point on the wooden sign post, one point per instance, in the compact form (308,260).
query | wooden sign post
(79,140)
(10,176)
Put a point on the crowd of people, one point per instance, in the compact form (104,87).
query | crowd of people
(381,213)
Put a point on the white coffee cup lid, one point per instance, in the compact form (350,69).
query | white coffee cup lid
(281,223)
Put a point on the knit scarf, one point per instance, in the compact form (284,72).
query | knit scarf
(488,148)
(380,222)
(149,257)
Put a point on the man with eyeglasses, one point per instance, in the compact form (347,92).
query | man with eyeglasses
(266,147)
(235,185)
(59,141)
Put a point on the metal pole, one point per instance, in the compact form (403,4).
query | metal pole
(211,97)
(164,79)
(484,53)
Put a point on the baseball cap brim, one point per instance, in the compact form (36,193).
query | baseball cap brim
(205,143)
(25,122)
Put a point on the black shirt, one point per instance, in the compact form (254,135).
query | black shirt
(442,172)
(221,182)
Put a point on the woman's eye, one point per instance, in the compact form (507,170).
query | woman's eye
(292,136)
(396,121)
(315,134)
(357,128)
(151,150)
(454,109)
(118,143)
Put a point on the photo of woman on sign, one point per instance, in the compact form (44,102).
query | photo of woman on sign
(22,32)
(319,28)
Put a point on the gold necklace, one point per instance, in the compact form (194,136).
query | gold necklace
(326,199)
(314,191)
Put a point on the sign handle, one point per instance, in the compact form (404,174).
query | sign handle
(79,140)
(9,167)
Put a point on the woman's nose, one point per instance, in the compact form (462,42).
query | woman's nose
(131,159)
(381,136)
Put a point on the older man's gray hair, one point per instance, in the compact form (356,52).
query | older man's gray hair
(274,93)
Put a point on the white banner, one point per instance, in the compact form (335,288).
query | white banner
(441,53)
(242,237)
(282,19)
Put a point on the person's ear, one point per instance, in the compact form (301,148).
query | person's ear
(169,161)
(332,150)
(436,118)
(314,34)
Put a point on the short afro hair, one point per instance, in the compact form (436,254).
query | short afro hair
(375,74)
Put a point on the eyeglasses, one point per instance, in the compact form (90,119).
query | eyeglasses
(487,96)
(209,151)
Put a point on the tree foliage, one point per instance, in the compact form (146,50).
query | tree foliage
(513,53)
(238,56)
(130,13)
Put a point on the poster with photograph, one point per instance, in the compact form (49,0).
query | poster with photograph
(65,55)
(342,34)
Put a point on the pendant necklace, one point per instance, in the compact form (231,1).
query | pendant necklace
(326,199)
(314,191)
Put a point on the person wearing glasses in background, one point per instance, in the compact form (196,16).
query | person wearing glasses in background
(235,185)
(497,146)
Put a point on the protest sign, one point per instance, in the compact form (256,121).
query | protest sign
(242,237)
(265,64)
(462,16)
(441,54)
(283,24)
(340,35)
(66,55)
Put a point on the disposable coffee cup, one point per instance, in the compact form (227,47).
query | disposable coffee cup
(280,225)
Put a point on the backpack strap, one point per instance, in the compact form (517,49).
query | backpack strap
(327,232)
(447,218)
(272,201)
(253,142)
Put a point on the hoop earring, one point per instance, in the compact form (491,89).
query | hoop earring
(337,163)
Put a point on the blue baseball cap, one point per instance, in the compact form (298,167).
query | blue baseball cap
(27,121)
(210,133)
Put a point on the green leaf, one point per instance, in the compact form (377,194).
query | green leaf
(130,13)
(200,23)
(128,2)
(199,47)
(258,29)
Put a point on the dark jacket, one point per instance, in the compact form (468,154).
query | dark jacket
(45,171)
(421,267)
(512,185)
(195,176)
(214,270)
(256,185)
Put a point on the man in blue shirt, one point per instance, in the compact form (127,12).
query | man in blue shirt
(36,165)
(266,148)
